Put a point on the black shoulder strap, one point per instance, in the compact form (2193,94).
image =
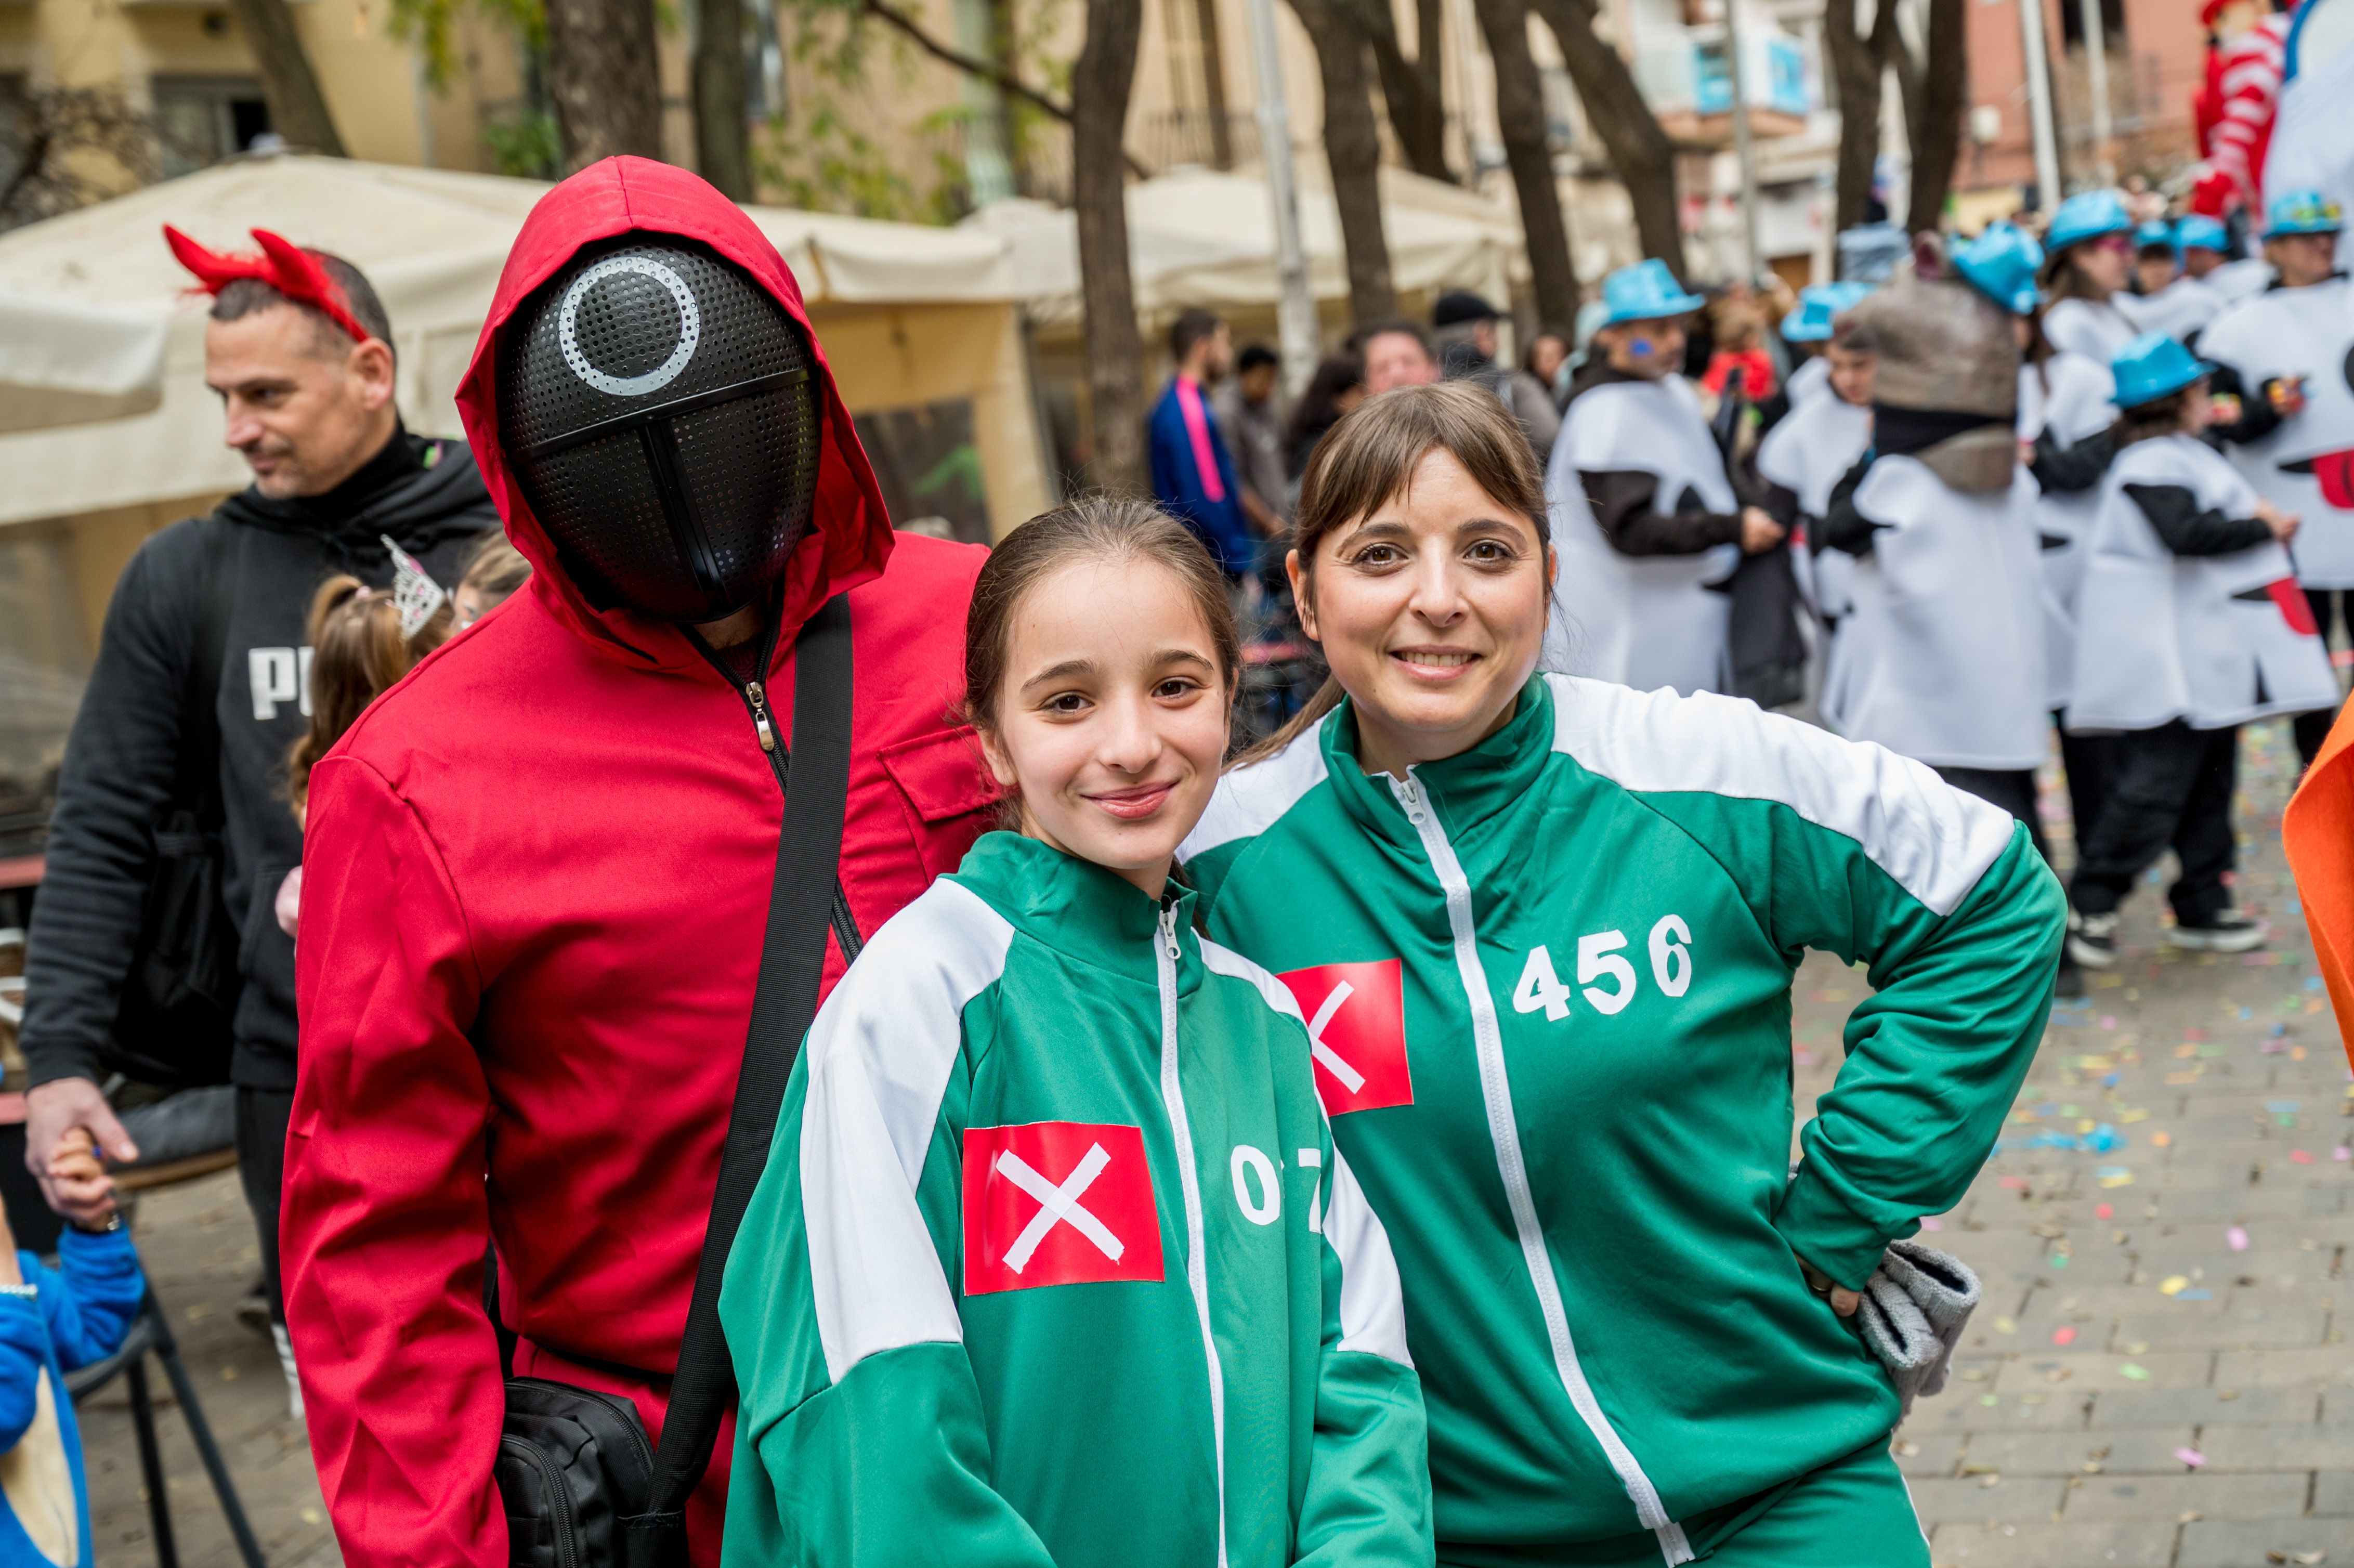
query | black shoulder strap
(197,786)
(792,959)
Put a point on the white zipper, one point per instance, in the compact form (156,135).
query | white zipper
(1504,1129)
(1180,1132)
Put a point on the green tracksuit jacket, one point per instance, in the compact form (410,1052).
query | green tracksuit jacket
(1054,1261)
(1548,988)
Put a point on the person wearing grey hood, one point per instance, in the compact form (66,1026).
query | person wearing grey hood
(1465,327)
(1943,660)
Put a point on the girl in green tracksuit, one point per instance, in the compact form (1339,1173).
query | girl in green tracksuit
(1054,1261)
(1543,931)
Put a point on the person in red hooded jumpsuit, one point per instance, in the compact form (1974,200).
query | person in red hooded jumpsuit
(538,878)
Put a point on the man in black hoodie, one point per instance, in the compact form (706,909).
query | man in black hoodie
(302,359)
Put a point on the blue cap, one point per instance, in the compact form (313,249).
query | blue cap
(2087,215)
(2302,212)
(2200,232)
(2153,234)
(1818,305)
(1647,292)
(2152,365)
(2001,263)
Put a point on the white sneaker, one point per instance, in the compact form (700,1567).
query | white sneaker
(2093,940)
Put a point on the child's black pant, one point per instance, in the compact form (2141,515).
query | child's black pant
(2172,785)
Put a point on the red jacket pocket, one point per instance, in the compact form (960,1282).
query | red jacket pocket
(940,779)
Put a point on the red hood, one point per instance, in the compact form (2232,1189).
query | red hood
(851,535)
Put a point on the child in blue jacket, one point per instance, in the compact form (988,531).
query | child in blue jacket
(52,1320)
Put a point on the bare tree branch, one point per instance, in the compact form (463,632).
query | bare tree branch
(1855,60)
(1101,84)
(1005,82)
(1641,153)
(1410,88)
(1353,150)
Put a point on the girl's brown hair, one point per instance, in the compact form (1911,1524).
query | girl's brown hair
(357,653)
(493,569)
(1090,528)
(2158,417)
(2064,280)
(1370,457)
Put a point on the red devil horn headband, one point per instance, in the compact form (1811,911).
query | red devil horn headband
(283,265)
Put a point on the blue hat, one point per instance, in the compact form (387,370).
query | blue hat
(2152,365)
(2153,234)
(2001,263)
(1647,292)
(1818,305)
(2087,215)
(2302,212)
(2200,232)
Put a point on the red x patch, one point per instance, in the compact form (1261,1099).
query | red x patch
(1356,1027)
(1057,1202)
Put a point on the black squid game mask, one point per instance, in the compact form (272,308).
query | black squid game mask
(661,411)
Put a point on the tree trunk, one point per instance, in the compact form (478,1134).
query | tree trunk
(723,151)
(298,109)
(603,76)
(1411,89)
(1214,85)
(1936,132)
(1100,84)
(1520,116)
(1640,149)
(1854,61)
(1352,148)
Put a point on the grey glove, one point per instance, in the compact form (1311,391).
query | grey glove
(1914,1310)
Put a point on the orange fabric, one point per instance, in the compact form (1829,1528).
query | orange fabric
(2317,831)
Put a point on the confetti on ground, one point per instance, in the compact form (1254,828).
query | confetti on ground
(2197,1293)
(2299,1157)
(2191,1457)
(2063,1335)
(1934,1223)
(2104,1212)
(2174,1285)
(2134,1373)
(2236,1239)
(2161,1140)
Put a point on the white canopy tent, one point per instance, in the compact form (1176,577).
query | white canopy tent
(1199,237)
(103,402)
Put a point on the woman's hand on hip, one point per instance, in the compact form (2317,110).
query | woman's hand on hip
(1843,1301)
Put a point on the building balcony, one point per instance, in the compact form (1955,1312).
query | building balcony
(1685,76)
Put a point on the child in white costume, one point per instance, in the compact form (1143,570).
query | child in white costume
(2183,306)
(1944,658)
(1645,519)
(2192,625)
(2283,357)
(2089,251)
(1802,455)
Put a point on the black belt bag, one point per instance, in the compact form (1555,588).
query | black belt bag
(583,1487)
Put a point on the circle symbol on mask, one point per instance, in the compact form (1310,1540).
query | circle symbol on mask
(690,327)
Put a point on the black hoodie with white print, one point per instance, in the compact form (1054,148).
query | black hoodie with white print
(121,759)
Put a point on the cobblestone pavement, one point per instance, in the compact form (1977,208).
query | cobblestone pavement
(2160,1375)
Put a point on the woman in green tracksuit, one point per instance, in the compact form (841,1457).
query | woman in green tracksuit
(1543,931)
(1054,1261)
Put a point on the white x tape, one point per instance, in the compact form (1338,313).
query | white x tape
(1058,1205)
(1333,1063)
